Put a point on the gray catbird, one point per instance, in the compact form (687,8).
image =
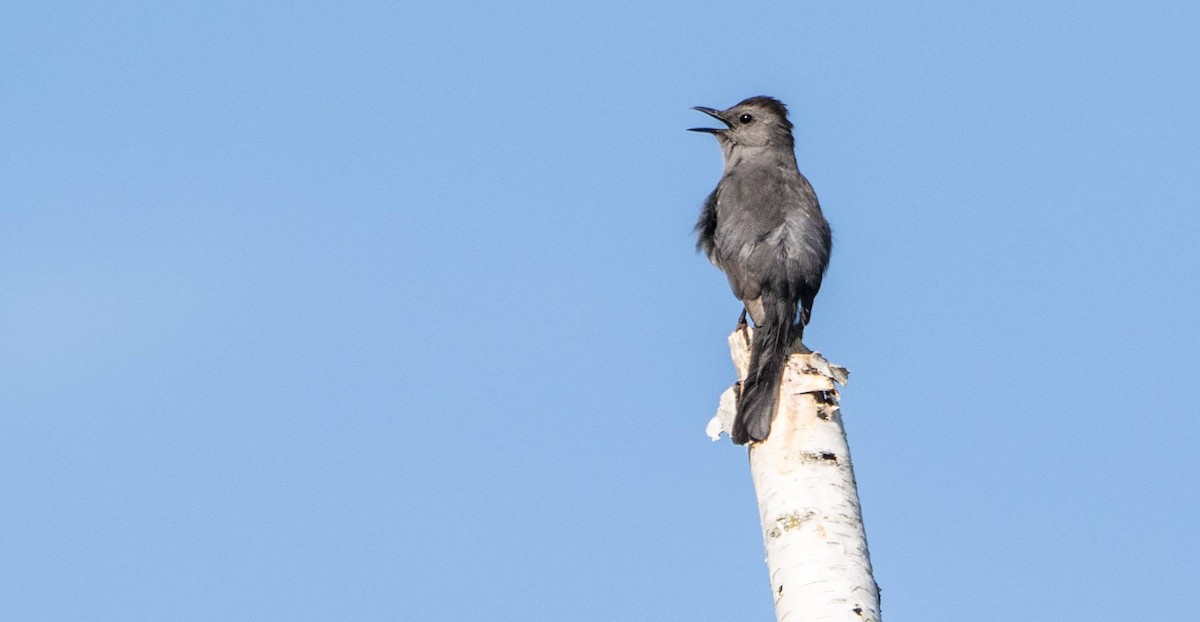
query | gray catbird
(763,227)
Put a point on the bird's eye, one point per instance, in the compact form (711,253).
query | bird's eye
(745,118)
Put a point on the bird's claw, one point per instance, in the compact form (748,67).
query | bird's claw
(743,327)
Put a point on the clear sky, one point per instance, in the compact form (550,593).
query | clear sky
(379,311)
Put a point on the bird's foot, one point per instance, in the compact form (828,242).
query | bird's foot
(743,327)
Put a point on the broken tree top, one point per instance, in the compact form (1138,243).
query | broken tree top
(805,373)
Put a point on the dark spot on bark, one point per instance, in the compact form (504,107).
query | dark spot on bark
(823,397)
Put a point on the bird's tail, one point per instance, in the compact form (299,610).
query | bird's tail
(769,353)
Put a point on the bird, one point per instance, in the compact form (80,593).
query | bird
(763,227)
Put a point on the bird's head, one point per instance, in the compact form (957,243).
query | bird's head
(759,121)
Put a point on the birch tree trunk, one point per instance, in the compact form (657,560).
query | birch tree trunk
(807,499)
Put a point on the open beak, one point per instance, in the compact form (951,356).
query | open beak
(716,114)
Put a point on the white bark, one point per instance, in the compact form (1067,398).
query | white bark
(812,527)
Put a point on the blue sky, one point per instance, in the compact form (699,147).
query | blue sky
(390,311)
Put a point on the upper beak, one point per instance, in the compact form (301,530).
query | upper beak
(716,114)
